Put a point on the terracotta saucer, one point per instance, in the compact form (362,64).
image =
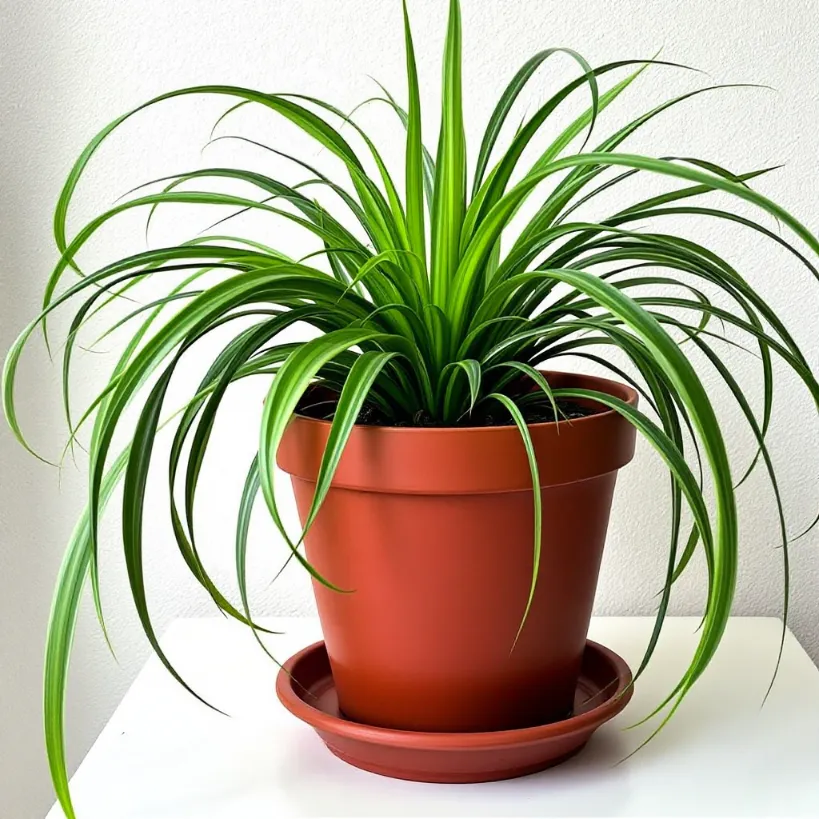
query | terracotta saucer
(305,687)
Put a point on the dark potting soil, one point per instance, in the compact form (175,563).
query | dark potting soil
(322,407)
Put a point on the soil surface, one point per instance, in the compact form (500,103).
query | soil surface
(322,406)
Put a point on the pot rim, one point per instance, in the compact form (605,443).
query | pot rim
(468,460)
(631,398)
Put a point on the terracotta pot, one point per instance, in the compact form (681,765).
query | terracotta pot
(433,530)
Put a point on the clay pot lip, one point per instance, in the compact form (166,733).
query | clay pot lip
(588,721)
(627,394)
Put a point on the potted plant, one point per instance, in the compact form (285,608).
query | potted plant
(453,493)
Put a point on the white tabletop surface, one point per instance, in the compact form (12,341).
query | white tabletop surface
(165,756)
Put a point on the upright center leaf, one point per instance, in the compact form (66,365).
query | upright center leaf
(450,169)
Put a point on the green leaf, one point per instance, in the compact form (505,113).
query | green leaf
(511,93)
(216,382)
(472,369)
(683,480)
(414,155)
(136,478)
(449,197)
(288,387)
(362,375)
(537,501)
(249,494)
(300,116)
(537,377)
(60,636)
(428,166)
(694,396)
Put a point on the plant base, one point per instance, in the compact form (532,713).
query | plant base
(305,687)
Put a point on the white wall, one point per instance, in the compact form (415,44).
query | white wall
(66,68)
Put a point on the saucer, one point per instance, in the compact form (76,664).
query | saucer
(305,687)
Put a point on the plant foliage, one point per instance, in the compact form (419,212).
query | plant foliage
(425,305)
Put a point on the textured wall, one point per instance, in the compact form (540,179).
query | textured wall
(70,67)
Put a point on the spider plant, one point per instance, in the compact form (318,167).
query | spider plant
(423,307)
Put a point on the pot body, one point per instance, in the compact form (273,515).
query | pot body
(432,532)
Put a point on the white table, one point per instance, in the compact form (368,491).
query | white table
(165,756)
